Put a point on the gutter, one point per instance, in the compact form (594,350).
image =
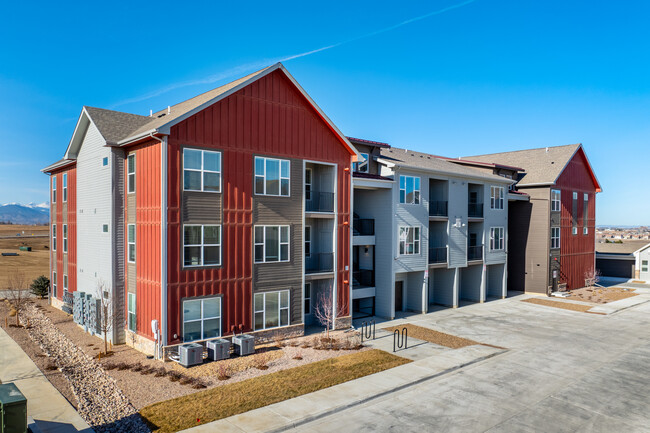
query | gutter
(498,179)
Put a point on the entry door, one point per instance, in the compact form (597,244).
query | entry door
(399,289)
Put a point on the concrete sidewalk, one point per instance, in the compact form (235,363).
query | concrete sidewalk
(51,412)
(310,407)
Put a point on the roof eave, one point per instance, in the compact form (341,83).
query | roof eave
(499,179)
(57,165)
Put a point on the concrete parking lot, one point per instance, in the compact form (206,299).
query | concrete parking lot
(565,371)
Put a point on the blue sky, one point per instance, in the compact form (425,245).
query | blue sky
(480,76)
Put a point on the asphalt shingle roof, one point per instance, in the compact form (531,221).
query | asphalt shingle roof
(627,247)
(115,125)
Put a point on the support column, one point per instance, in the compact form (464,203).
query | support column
(504,283)
(456,291)
(483,290)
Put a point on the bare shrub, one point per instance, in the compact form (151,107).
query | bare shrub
(110,366)
(137,367)
(186,380)
(261,360)
(298,356)
(326,312)
(18,295)
(123,366)
(174,376)
(224,370)
(278,339)
(160,372)
(198,384)
(107,314)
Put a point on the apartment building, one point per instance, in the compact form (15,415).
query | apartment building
(228,212)
(426,231)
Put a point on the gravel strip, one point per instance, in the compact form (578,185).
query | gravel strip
(100,402)
(559,304)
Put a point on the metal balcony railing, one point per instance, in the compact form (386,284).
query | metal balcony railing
(475,210)
(319,262)
(438,255)
(475,252)
(363,278)
(438,208)
(320,202)
(364,227)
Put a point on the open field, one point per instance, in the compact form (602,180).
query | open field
(32,263)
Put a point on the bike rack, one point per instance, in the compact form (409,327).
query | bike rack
(400,339)
(368,330)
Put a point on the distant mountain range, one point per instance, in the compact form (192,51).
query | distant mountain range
(30,213)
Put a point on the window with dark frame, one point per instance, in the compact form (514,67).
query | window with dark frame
(130,173)
(271,309)
(271,244)
(201,245)
(272,176)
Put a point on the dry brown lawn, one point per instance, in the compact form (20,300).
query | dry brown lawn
(435,337)
(224,401)
(31,263)
(600,295)
(558,304)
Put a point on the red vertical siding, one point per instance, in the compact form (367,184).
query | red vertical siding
(577,252)
(56,257)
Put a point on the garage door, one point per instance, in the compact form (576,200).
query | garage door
(616,268)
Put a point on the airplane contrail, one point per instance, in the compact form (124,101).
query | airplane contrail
(239,70)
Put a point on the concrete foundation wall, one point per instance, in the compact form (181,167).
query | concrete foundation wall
(470,283)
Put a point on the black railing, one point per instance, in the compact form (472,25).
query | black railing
(438,255)
(475,210)
(320,202)
(364,227)
(319,262)
(363,278)
(438,208)
(475,252)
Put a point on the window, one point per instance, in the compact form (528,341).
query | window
(496,238)
(54,189)
(53,237)
(201,245)
(585,214)
(307,241)
(574,214)
(65,238)
(131,312)
(409,240)
(362,165)
(307,298)
(54,284)
(131,242)
(555,237)
(105,161)
(574,230)
(201,170)
(130,172)
(65,187)
(556,200)
(201,319)
(271,244)
(496,197)
(585,230)
(65,283)
(644,266)
(308,184)
(409,189)
(271,176)
(271,309)
(104,228)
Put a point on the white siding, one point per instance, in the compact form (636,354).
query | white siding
(495,218)
(458,199)
(414,215)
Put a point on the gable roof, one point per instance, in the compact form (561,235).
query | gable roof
(627,247)
(115,125)
(427,162)
(543,166)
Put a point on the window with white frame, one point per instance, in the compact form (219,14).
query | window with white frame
(65,283)
(271,244)
(272,176)
(131,242)
(105,161)
(496,197)
(497,238)
(574,213)
(308,183)
(53,237)
(307,241)
(104,228)
(585,214)
(131,313)
(65,238)
(54,189)
(271,309)
(201,245)
(409,189)
(201,318)
(556,200)
(574,230)
(644,266)
(555,237)
(307,298)
(65,187)
(409,240)
(361,166)
(201,170)
(54,284)
(130,173)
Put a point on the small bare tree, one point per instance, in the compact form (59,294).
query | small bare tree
(592,277)
(325,312)
(17,292)
(106,313)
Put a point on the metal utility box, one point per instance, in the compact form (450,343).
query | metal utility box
(244,344)
(13,409)
(78,305)
(92,314)
(190,354)
(218,349)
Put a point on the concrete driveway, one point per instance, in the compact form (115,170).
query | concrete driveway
(565,371)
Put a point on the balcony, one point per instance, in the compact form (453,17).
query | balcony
(475,210)
(437,255)
(438,208)
(363,278)
(319,263)
(364,227)
(475,252)
(320,202)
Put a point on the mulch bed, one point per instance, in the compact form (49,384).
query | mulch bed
(435,337)
(557,304)
(600,295)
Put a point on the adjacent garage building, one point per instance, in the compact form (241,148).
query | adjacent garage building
(623,260)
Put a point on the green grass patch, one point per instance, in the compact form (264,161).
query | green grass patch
(227,400)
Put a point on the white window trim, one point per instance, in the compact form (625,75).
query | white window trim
(53,237)
(280,243)
(202,245)
(555,237)
(308,241)
(53,189)
(108,161)
(555,201)
(65,187)
(419,200)
(53,284)
(574,230)
(496,200)
(129,313)
(108,228)
(202,319)
(644,265)
(280,308)
(416,242)
(65,283)
(585,230)
(306,298)
(501,239)
(255,175)
(65,238)
(202,169)
(310,183)
(129,243)
(128,174)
